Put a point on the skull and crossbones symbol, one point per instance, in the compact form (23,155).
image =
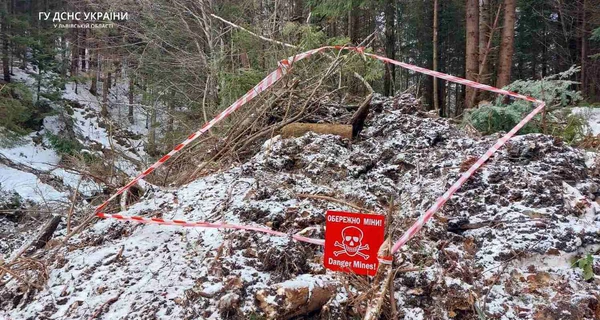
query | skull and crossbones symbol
(352,243)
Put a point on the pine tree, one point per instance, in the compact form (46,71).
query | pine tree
(390,47)
(4,37)
(507,44)
(472,51)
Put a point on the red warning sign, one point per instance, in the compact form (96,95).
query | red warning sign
(352,241)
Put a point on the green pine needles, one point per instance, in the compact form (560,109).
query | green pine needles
(558,93)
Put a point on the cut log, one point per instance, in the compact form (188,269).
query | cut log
(292,298)
(46,233)
(299,129)
(359,117)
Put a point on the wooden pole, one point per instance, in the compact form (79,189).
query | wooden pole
(384,275)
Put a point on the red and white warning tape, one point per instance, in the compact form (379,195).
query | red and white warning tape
(266,83)
(204,224)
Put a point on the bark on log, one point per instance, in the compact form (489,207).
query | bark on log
(299,129)
(305,294)
(359,117)
(46,233)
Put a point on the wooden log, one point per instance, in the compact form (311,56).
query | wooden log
(292,298)
(46,233)
(299,129)
(359,117)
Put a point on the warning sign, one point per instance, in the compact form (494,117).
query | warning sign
(352,241)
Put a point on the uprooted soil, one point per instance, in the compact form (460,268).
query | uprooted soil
(502,248)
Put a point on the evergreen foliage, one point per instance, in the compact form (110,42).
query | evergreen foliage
(16,108)
(64,146)
(555,90)
(596,36)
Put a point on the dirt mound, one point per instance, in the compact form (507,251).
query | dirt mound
(502,247)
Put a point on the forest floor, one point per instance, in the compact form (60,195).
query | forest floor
(35,180)
(503,247)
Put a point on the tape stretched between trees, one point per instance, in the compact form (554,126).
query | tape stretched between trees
(266,83)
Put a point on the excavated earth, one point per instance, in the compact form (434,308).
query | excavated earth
(503,247)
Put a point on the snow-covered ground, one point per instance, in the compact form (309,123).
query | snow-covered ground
(592,115)
(26,184)
(90,132)
(502,245)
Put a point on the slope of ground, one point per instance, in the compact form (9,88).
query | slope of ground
(502,248)
(33,177)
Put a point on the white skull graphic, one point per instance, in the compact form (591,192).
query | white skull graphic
(351,244)
(352,240)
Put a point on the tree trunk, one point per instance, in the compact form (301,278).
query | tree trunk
(353,25)
(22,50)
(583,48)
(39,83)
(105,87)
(458,97)
(390,48)
(75,52)
(171,109)
(95,73)
(436,100)
(152,132)
(5,45)
(298,6)
(507,44)
(130,95)
(109,80)
(484,35)
(82,48)
(472,52)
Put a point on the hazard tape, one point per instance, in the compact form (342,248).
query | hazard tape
(205,224)
(272,78)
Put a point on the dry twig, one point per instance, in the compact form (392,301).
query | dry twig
(73,205)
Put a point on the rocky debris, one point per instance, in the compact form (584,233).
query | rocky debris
(502,248)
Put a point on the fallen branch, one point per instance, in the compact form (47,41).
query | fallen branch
(72,208)
(19,278)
